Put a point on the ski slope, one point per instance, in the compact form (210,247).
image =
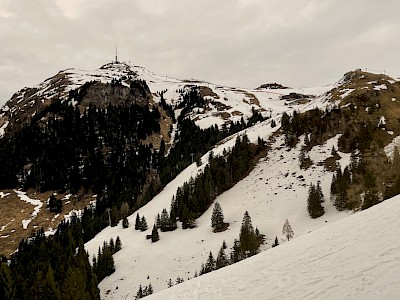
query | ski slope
(355,258)
(275,190)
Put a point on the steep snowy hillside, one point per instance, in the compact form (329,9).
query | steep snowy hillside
(275,190)
(354,258)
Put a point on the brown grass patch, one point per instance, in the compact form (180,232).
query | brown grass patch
(13,210)
(302,101)
(225,115)
(206,91)
(253,99)
(359,81)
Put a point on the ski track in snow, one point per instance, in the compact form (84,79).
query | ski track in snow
(349,259)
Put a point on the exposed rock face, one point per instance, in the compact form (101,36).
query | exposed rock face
(110,84)
(104,94)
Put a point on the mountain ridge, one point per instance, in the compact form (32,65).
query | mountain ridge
(27,102)
(80,143)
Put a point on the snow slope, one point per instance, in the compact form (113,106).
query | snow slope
(275,190)
(354,258)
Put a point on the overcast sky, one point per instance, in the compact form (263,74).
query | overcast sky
(240,43)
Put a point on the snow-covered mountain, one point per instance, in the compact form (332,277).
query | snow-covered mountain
(275,190)
(357,257)
(224,103)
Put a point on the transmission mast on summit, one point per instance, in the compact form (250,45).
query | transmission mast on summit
(116,54)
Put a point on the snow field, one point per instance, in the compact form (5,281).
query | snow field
(354,258)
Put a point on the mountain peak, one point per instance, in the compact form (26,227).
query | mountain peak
(115,65)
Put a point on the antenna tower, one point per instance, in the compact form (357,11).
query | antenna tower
(116,54)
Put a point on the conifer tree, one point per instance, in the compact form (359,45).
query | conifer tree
(165,222)
(94,290)
(125,222)
(50,290)
(210,264)
(118,244)
(154,234)
(7,289)
(247,238)
(217,217)
(224,245)
(73,286)
(139,293)
(158,221)
(370,199)
(222,260)
(143,224)
(276,243)
(170,283)
(338,188)
(236,254)
(287,231)
(315,209)
(179,280)
(150,289)
(111,246)
(137,222)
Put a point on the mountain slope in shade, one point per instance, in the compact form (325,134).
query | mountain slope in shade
(353,258)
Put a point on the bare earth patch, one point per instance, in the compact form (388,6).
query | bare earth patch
(13,211)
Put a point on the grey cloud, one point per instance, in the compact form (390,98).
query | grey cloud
(239,43)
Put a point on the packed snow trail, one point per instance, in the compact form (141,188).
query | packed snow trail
(357,257)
